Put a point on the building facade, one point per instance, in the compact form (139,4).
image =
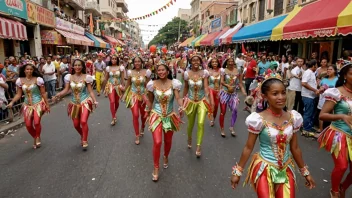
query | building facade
(184,14)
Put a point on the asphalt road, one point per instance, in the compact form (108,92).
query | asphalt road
(115,167)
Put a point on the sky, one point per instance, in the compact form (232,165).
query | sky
(137,8)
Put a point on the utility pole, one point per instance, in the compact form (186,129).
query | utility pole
(179,29)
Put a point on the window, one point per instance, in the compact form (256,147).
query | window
(278,7)
(261,9)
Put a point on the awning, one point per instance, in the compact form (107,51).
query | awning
(195,40)
(10,29)
(98,42)
(197,43)
(208,40)
(113,42)
(227,37)
(186,42)
(277,33)
(120,42)
(258,31)
(344,22)
(318,19)
(76,39)
(217,39)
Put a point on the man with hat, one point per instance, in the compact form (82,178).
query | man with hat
(99,66)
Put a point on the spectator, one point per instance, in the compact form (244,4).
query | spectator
(49,77)
(41,64)
(63,70)
(251,71)
(99,69)
(240,62)
(263,65)
(309,93)
(284,66)
(294,97)
(322,70)
(3,87)
(89,66)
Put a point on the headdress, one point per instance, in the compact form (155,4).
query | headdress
(271,76)
(346,64)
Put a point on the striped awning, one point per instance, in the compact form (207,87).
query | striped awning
(186,42)
(10,29)
(76,39)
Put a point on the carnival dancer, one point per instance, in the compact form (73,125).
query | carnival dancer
(231,80)
(114,85)
(135,95)
(162,117)
(214,85)
(31,84)
(196,101)
(271,171)
(82,101)
(336,138)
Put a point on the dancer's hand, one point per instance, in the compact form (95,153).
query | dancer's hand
(180,112)
(234,181)
(348,120)
(10,105)
(96,104)
(310,183)
(47,108)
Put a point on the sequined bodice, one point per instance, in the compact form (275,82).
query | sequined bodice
(214,81)
(231,79)
(79,91)
(32,93)
(344,106)
(138,84)
(275,142)
(164,100)
(196,88)
(115,77)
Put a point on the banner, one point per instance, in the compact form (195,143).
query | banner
(215,24)
(51,37)
(17,8)
(68,26)
(40,15)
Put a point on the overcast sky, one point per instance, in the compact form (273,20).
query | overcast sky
(139,8)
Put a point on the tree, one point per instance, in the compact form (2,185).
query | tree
(168,34)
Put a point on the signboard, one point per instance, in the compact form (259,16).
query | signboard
(216,24)
(40,15)
(68,26)
(51,37)
(17,8)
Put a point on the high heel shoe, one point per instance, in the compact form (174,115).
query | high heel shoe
(38,143)
(189,143)
(84,145)
(211,123)
(223,133)
(137,142)
(166,162)
(141,133)
(113,122)
(198,152)
(334,194)
(233,133)
(35,144)
(155,177)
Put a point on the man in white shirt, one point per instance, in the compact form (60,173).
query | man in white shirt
(294,97)
(240,62)
(49,77)
(309,92)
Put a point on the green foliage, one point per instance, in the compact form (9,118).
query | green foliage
(168,34)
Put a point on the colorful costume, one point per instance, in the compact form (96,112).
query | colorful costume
(214,88)
(113,88)
(81,104)
(195,103)
(163,118)
(33,106)
(273,166)
(227,98)
(337,139)
(135,97)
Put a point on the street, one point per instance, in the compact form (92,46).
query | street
(114,166)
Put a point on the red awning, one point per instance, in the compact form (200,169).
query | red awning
(216,41)
(113,42)
(228,38)
(121,42)
(76,39)
(207,41)
(10,29)
(316,19)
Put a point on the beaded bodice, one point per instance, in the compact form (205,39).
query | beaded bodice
(344,106)
(115,76)
(138,83)
(196,88)
(79,91)
(231,79)
(164,100)
(214,81)
(32,93)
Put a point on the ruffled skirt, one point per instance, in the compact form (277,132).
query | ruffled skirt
(130,97)
(334,141)
(169,123)
(28,110)
(231,99)
(74,111)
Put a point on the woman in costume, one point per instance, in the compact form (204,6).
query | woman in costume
(214,85)
(271,171)
(135,96)
(114,81)
(162,117)
(195,96)
(336,138)
(31,84)
(231,80)
(82,101)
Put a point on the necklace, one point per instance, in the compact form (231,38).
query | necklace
(28,78)
(347,89)
(278,115)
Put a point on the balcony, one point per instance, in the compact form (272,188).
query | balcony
(119,12)
(123,5)
(76,4)
(109,11)
(93,7)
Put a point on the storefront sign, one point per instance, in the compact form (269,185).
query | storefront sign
(17,8)
(51,37)
(215,24)
(68,26)
(40,15)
